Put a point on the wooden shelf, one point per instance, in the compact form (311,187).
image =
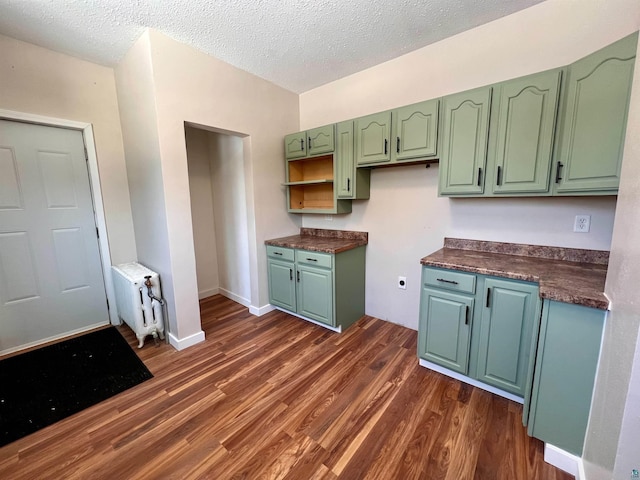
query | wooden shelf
(309,182)
(311,197)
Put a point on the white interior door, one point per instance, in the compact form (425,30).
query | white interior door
(51,282)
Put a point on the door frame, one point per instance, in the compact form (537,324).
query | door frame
(96,192)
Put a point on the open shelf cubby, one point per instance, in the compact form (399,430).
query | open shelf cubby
(310,184)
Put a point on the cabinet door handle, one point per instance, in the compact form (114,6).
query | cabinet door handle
(298,275)
(453,282)
(348,184)
(301,144)
(499,175)
(480,176)
(488,297)
(312,259)
(277,253)
(558,169)
(466,316)
(290,274)
(309,143)
(397,144)
(386,146)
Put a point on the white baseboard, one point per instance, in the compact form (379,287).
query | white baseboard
(564,461)
(208,293)
(470,381)
(234,297)
(53,338)
(182,343)
(259,311)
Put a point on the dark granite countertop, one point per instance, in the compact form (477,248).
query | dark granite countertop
(563,274)
(320,240)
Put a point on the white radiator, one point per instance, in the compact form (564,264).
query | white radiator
(142,313)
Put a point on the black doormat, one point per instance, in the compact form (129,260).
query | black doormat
(42,386)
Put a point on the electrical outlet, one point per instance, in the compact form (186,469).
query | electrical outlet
(582,223)
(328,218)
(402,283)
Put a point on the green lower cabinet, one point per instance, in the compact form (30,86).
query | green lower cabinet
(566,363)
(323,287)
(481,327)
(315,293)
(506,328)
(282,288)
(444,328)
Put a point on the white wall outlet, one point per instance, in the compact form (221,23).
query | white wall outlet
(328,218)
(582,224)
(402,283)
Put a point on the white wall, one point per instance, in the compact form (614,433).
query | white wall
(230,213)
(219,214)
(612,436)
(202,212)
(405,218)
(42,82)
(190,86)
(136,98)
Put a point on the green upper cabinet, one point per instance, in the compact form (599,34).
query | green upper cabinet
(415,131)
(403,135)
(316,141)
(321,140)
(295,145)
(504,353)
(523,123)
(594,120)
(463,154)
(350,183)
(372,135)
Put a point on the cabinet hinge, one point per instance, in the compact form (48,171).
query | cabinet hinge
(97,232)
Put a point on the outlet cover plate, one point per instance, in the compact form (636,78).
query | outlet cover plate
(582,224)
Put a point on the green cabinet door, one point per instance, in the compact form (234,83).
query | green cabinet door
(315,293)
(506,334)
(295,145)
(594,120)
(524,117)
(372,138)
(320,140)
(345,163)
(415,131)
(282,286)
(465,129)
(568,353)
(350,182)
(444,330)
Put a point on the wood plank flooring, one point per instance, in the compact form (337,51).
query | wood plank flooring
(276,397)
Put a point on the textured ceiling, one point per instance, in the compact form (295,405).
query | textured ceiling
(297,44)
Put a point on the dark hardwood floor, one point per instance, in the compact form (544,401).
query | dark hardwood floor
(276,397)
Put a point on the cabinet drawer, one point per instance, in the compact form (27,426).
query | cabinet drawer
(457,281)
(281,253)
(314,258)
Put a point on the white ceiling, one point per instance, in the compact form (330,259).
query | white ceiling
(297,44)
